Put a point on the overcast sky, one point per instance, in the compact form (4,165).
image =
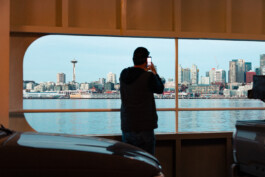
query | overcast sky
(97,56)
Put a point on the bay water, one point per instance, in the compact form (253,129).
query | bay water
(83,123)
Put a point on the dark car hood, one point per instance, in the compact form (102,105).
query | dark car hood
(41,143)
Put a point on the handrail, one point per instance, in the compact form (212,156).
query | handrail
(117,110)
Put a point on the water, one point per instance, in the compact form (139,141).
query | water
(109,122)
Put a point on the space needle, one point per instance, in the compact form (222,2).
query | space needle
(74,62)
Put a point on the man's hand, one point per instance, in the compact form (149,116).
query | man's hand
(152,68)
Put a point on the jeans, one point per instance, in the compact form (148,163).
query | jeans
(143,139)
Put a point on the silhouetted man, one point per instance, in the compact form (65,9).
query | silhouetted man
(138,110)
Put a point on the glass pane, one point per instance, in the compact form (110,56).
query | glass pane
(90,123)
(218,73)
(196,121)
(88,67)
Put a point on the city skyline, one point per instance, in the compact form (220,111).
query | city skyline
(97,56)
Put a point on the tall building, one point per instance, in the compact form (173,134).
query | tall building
(111,77)
(30,86)
(186,75)
(248,66)
(249,76)
(102,81)
(240,75)
(262,64)
(211,75)
(61,78)
(257,71)
(220,76)
(180,74)
(237,70)
(194,74)
(207,73)
(232,72)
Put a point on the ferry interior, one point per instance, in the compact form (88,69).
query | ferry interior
(181,154)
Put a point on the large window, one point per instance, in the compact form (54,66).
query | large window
(79,76)
(217,74)
(82,73)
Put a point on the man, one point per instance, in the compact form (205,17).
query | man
(138,110)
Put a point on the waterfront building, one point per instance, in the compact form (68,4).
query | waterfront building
(102,81)
(242,91)
(26,82)
(205,80)
(30,86)
(234,85)
(111,77)
(194,74)
(211,75)
(226,93)
(248,66)
(220,76)
(249,76)
(262,64)
(232,72)
(186,75)
(180,74)
(170,85)
(236,71)
(66,87)
(240,72)
(39,88)
(109,86)
(84,86)
(117,86)
(257,71)
(61,78)
(204,89)
(58,88)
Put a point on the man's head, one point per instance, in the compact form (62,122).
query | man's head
(140,56)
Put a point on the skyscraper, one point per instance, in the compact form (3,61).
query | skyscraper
(240,72)
(102,81)
(248,66)
(111,77)
(211,75)
(220,76)
(60,78)
(180,74)
(186,75)
(194,74)
(262,64)
(237,70)
(232,72)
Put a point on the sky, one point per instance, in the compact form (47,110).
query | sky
(97,56)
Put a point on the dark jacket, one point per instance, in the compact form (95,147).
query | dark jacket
(138,109)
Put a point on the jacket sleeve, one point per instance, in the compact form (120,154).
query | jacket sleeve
(156,84)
